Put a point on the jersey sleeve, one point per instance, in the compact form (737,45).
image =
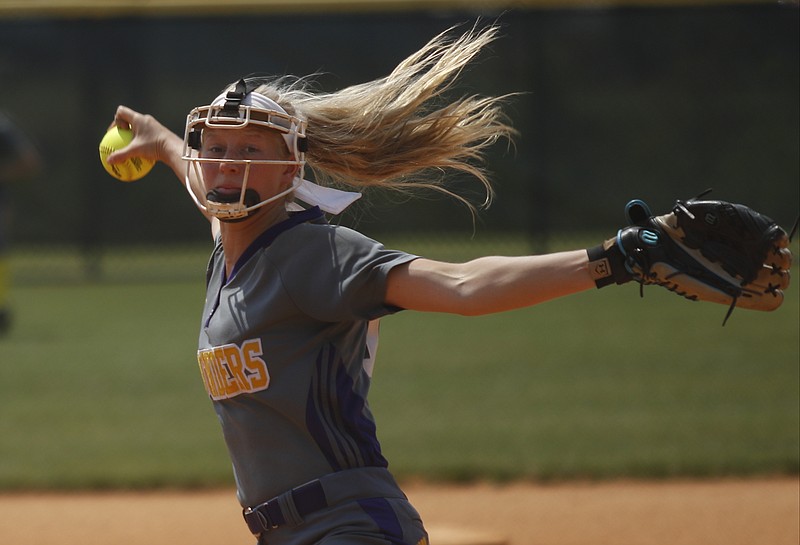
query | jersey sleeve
(339,274)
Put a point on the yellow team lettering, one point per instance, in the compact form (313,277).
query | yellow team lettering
(259,379)
(230,370)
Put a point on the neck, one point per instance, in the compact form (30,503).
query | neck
(237,237)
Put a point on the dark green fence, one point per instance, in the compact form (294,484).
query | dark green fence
(655,103)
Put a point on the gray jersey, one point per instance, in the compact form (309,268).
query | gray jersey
(286,349)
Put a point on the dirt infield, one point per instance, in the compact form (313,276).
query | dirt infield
(729,512)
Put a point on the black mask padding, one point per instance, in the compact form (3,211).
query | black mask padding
(195,139)
(251,198)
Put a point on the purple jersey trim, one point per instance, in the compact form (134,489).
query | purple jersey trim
(381,512)
(336,420)
(262,241)
(267,237)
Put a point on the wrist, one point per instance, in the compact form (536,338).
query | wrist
(607,264)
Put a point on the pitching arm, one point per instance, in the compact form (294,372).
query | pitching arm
(152,140)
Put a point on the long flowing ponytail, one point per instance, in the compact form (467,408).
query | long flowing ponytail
(399,132)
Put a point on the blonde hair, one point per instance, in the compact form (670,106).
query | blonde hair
(398,132)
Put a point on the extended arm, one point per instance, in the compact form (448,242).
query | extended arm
(489,284)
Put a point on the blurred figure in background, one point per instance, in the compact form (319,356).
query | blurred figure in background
(19,160)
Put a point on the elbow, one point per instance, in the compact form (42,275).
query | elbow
(468,299)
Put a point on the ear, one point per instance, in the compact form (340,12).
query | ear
(291,171)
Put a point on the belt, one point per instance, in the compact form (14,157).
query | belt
(290,508)
(300,501)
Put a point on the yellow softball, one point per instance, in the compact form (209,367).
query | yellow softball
(132,169)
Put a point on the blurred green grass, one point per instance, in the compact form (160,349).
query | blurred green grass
(598,385)
(99,387)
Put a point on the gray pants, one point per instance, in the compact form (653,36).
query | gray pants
(365,507)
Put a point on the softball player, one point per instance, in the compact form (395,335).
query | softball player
(290,323)
(19,160)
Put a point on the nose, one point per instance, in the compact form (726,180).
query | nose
(231,166)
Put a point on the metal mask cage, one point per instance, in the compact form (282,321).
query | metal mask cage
(218,117)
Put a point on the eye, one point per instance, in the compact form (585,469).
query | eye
(213,150)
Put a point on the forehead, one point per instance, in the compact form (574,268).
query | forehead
(247,133)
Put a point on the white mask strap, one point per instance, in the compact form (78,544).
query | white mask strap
(331,200)
(257,100)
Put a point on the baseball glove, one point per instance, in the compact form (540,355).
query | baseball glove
(704,250)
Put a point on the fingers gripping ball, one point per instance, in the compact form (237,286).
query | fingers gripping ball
(128,171)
